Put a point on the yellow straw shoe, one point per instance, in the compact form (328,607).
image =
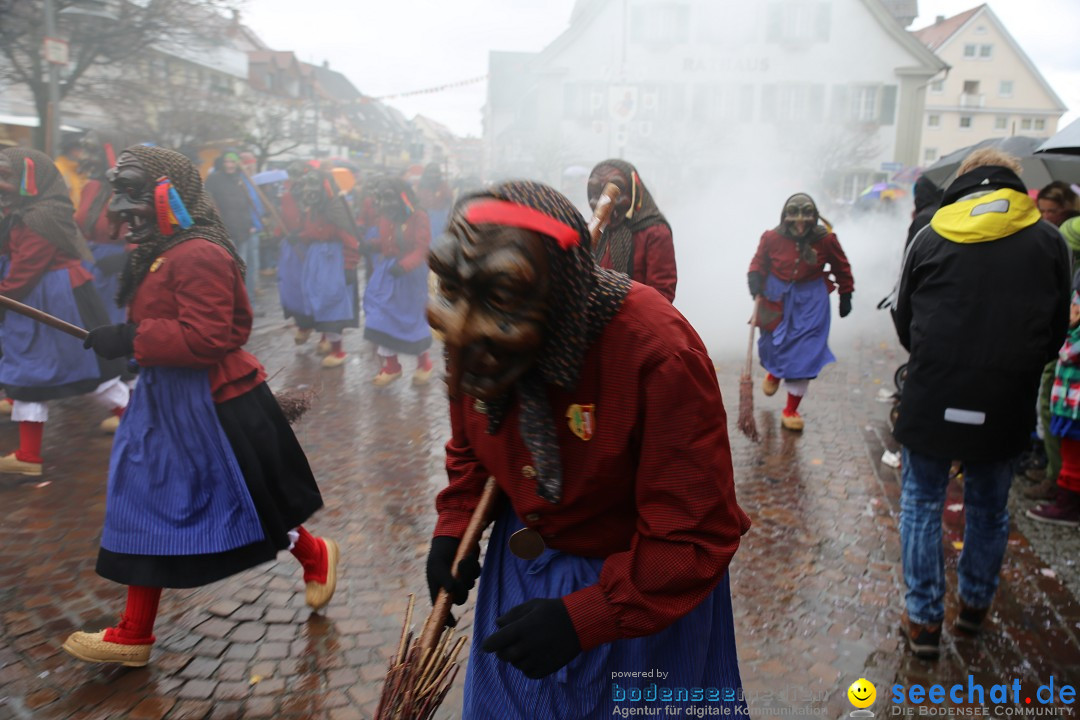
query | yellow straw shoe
(770,385)
(319,594)
(92,647)
(422,377)
(5,406)
(110,424)
(325,347)
(13,465)
(792,422)
(334,360)
(301,336)
(384,378)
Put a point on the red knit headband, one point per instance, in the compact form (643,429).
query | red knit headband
(500,212)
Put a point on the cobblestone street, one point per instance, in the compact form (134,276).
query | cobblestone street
(816,585)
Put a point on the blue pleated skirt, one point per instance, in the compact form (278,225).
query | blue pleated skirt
(313,286)
(40,363)
(697,652)
(175,487)
(797,348)
(395,308)
(108,285)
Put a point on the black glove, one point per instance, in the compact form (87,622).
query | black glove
(112,341)
(439,563)
(536,637)
(396,270)
(756,281)
(112,264)
(845,304)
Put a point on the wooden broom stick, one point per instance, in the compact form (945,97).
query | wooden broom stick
(43,317)
(469,545)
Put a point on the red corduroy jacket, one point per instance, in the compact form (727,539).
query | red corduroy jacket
(192,311)
(650,490)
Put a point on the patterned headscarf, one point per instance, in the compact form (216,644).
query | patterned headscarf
(333,209)
(643,213)
(584,298)
(46,207)
(164,163)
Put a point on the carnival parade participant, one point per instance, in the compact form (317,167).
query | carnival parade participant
(397,291)
(240,209)
(319,257)
(637,241)
(789,280)
(206,477)
(92,218)
(595,406)
(41,261)
(435,197)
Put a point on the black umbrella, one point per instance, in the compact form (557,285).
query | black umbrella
(1066,141)
(1038,169)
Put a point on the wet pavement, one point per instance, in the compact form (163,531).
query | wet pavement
(817,585)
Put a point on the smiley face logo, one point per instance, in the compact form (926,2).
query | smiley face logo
(862,693)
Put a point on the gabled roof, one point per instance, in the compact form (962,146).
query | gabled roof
(935,35)
(586,10)
(958,22)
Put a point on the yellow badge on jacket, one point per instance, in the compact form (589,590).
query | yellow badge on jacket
(582,420)
(157,264)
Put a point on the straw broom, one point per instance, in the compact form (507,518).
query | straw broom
(422,671)
(746,384)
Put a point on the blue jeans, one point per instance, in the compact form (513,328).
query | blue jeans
(986,533)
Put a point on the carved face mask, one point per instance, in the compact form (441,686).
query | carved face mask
(492,305)
(309,192)
(133,197)
(800,215)
(9,181)
(599,180)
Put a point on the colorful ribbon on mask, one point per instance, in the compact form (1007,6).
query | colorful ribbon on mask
(169,207)
(28,186)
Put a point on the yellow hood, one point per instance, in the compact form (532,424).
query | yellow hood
(985,218)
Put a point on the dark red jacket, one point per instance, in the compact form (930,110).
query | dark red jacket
(31,257)
(651,490)
(654,259)
(412,250)
(779,255)
(192,311)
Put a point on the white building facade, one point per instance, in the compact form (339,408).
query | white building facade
(830,91)
(991,90)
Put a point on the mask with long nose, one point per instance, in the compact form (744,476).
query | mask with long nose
(492,306)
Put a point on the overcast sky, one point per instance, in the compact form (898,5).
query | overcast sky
(399,46)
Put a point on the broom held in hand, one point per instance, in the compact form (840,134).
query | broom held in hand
(469,545)
(42,317)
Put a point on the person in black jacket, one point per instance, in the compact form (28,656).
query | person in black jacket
(983,305)
(927,201)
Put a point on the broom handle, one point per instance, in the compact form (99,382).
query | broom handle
(750,346)
(469,545)
(43,317)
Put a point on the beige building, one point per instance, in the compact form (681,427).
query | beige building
(992,89)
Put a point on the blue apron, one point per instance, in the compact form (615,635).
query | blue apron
(326,298)
(36,355)
(697,651)
(175,487)
(108,285)
(397,306)
(797,348)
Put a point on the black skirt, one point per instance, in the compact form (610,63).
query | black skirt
(281,484)
(93,314)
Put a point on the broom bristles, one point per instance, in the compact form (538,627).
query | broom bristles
(747,425)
